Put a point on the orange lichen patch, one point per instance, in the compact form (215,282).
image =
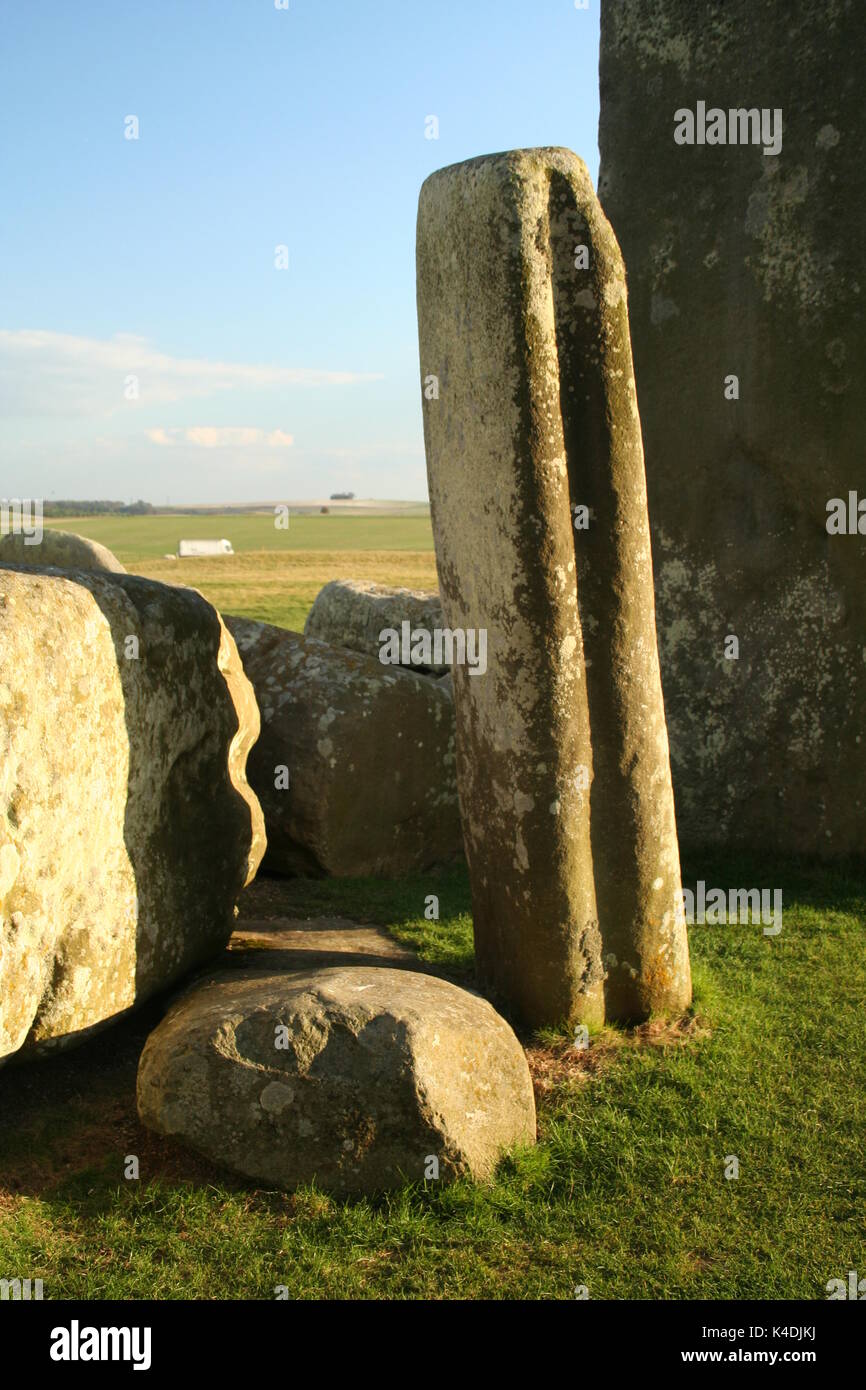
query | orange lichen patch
(658,978)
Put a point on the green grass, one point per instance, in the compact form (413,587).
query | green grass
(274,575)
(625,1191)
(134,539)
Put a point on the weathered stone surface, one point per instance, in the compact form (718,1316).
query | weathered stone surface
(562,752)
(380,1070)
(62,549)
(749,264)
(127,828)
(370,756)
(353,612)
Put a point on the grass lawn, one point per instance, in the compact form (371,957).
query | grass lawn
(624,1193)
(274,575)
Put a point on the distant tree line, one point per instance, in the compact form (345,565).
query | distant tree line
(72,508)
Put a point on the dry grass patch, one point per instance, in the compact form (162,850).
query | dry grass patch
(280,586)
(560,1062)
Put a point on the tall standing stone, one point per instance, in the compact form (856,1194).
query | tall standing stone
(746,261)
(532,430)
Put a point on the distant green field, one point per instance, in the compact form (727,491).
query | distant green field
(274,576)
(134,538)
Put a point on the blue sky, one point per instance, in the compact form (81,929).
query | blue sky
(148,266)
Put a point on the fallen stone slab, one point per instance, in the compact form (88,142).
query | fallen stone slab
(62,549)
(354,613)
(358,1079)
(355,765)
(290,943)
(127,828)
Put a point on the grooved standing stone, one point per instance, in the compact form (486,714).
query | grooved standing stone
(370,785)
(750,264)
(127,829)
(563,764)
(377,1071)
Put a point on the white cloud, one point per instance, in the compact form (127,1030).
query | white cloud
(42,372)
(222,437)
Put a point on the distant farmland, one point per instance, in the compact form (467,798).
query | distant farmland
(275,574)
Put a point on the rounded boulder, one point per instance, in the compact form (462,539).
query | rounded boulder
(62,550)
(356,1078)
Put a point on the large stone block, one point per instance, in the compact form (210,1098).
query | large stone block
(529,416)
(354,613)
(127,828)
(355,768)
(749,263)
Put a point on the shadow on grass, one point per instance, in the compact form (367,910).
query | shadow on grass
(69,1122)
(840,885)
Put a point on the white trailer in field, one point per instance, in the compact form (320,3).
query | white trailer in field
(187,550)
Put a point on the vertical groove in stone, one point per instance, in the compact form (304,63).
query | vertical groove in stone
(518,340)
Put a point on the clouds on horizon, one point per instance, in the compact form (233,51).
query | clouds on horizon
(47,373)
(67,427)
(221,437)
